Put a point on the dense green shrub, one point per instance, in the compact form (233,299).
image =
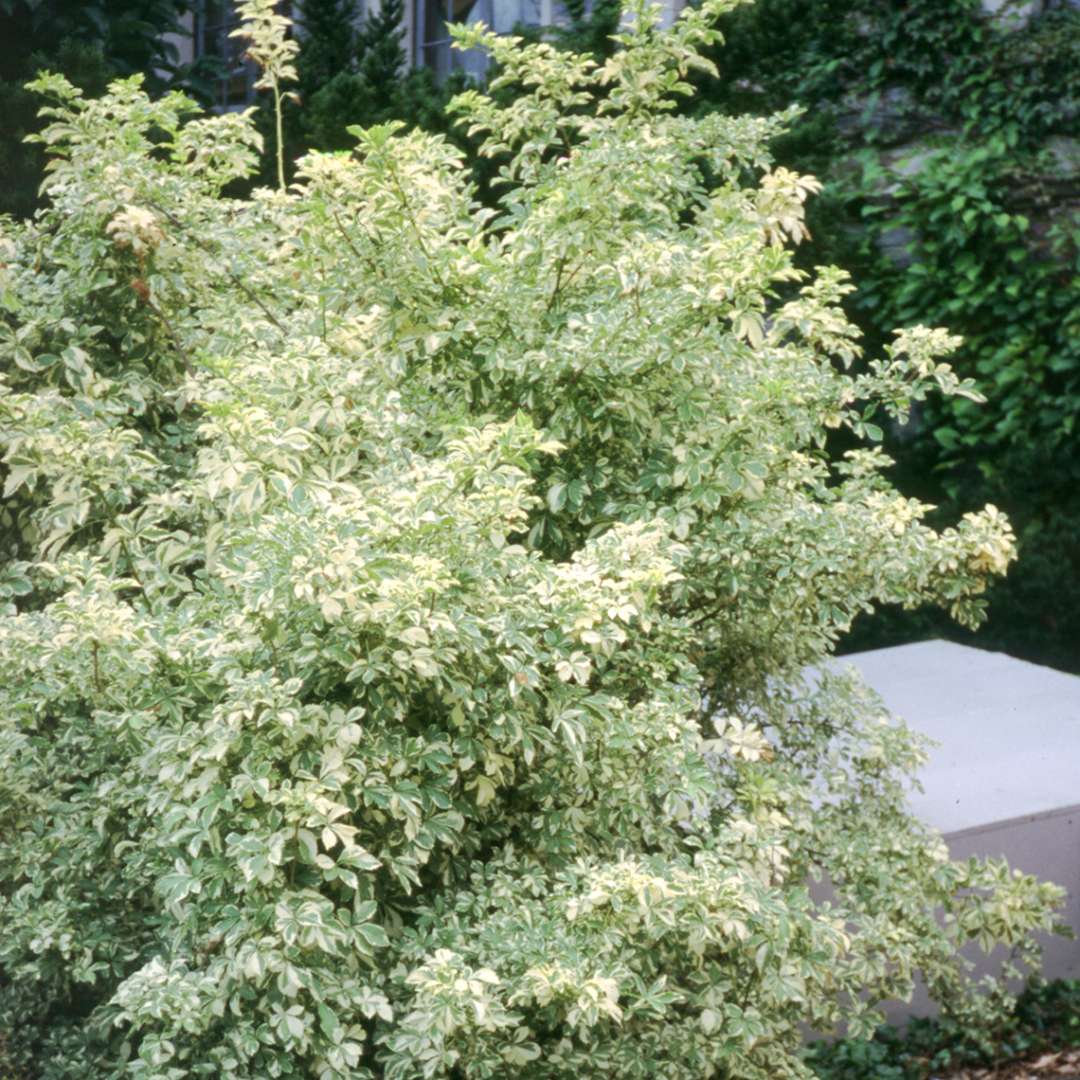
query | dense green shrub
(407,605)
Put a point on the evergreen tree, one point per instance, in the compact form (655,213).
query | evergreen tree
(329,43)
(354,74)
(382,56)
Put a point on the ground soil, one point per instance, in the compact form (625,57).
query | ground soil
(1064,1065)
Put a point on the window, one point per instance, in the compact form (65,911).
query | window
(433,49)
(231,75)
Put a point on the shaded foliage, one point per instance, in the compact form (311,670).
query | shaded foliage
(1046,1018)
(89,43)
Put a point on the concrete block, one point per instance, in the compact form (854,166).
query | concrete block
(1005,777)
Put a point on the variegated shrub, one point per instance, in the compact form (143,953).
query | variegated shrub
(406,604)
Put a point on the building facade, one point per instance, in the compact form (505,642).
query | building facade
(425,41)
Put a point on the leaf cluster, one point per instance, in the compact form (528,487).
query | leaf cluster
(89,43)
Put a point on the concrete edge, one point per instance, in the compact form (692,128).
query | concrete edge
(1004,823)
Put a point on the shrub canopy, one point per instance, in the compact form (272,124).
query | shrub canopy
(408,604)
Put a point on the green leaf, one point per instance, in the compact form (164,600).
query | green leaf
(330,1024)
(373,934)
(556,497)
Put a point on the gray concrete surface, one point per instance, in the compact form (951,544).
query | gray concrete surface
(1005,777)
(1009,731)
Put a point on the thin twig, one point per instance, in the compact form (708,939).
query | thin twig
(177,344)
(280,135)
(407,206)
(97,666)
(344,235)
(558,283)
(134,571)
(367,260)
